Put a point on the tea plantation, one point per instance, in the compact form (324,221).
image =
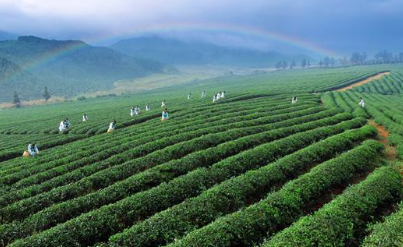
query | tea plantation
(252,169)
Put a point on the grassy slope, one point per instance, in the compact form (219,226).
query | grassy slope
(278,87)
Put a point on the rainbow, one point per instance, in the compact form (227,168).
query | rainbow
(48,57)
(245,31)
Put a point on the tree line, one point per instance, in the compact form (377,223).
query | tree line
(17,102)
(284,64)
(356,58)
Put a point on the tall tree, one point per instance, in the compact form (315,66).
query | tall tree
(332,61)
(46,94)
(16,100)
(279,64)
(344,61)
(326,61)
(355,58)
(384,57)
(303,63)
(292,64)
(285,64)
(363,57)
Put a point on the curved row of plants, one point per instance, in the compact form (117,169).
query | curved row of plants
(157,152)
(97,225)
(106,141)
(234,193)
(108,149)
(279,209)
(151,177)
(342,221)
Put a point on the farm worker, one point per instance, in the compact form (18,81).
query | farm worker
(25,154)
(112,126)
(132,111)
(222,94)
(64,125)
(137,110)
(147,107)
(362,103)
(164,115)
(85,117)
(189,96)
(61,126)
(203,94)
(218,96)
(33,149)
(67,123)
(163,104)
(294,100)
(214,98)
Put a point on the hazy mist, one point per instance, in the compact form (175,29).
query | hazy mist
(339,25)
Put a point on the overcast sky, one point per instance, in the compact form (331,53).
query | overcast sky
(339,25)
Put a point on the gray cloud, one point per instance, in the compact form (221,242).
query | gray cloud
(342,25)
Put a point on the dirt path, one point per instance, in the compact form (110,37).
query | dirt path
(383,135)
(369,79)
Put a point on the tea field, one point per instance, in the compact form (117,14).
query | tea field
(252,169)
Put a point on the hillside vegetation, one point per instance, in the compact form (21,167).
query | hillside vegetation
(172,51)
(252,169)
(67,68)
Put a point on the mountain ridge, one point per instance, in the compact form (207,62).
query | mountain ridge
(177,52)
(67,67)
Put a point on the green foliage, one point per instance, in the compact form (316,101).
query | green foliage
(231,173)
(388,233)
(82,228)
(174,52)
(384,110)
(233,194)
(83,69)
(16,100)
(281,208)
(182,148)
(340,221)
(46,94)
(80,98)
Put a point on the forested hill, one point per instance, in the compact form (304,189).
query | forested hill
(7,36)
(68,68)
(172,51)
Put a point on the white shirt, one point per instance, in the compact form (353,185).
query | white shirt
(61,126)
(34,150)
(111,126)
